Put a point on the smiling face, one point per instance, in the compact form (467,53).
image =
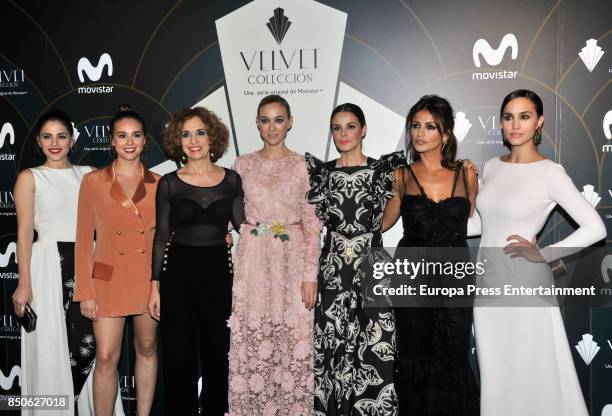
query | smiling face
(425,134)
(519,121)
(55,141)
(347,131)
(128,139)
(195,141)
(273,122)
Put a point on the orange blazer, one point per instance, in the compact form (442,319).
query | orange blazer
(117,273)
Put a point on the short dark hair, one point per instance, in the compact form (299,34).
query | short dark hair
(54,115)
(125,111)
(349,108)
(218,134)
(269,99)
(532,96)
(442,113)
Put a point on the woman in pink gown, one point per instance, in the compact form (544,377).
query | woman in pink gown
(271,342)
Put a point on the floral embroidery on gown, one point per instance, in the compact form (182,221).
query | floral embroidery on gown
(354,346)
(271,353)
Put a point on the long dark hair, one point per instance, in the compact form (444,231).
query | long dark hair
(442,113)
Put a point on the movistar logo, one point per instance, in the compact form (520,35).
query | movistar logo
(494,56)
(6,382)
(5,258)
(94,73)
(607,124)
(7,132)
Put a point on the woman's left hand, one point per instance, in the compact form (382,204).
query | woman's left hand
(523,248)
(309,294)
(154,301)
(467,164)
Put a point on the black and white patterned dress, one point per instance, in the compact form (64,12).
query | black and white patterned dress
(354,346)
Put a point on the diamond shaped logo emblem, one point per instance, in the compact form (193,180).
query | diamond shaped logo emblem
(279,25)
(587,348)
(75,133)
(462,126)
(588,191)
(591,54)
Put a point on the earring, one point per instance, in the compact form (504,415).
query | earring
(537,137)
(443,144)
(112,152)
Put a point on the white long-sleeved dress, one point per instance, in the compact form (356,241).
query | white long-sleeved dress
(525,361)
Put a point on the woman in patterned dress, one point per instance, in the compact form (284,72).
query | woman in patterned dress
(275,271)
(354,346)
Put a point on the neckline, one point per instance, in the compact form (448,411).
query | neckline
(292,153)
(365,165)
(440,201)
(203,187)
(453,185)
(57,169)
(499,158)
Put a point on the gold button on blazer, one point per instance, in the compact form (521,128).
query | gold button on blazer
(117,272)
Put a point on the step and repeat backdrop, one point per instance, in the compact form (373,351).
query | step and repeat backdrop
(86,58)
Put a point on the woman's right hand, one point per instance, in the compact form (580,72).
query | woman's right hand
(89,309)
(22,297)
(154,301)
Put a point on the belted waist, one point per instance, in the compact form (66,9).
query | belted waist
(275,228)
(299,224)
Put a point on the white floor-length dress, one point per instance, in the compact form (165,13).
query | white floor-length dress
(45,357)
(525,361)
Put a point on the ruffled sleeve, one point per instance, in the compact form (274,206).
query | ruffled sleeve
(319,193)
(382,181)
(312,235)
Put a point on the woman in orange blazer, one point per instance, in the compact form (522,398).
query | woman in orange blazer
(117,204)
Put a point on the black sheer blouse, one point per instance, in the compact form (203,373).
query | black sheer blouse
(195,215)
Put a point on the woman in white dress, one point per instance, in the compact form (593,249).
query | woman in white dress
(525,361)
(57,357)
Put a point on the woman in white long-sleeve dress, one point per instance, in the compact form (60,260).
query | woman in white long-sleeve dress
(58,355)
(525,361)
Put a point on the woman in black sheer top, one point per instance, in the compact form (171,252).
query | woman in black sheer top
(194,206)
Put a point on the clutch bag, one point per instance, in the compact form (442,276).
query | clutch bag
(28,320)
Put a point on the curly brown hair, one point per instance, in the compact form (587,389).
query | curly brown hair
(218,134)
